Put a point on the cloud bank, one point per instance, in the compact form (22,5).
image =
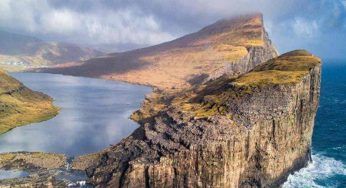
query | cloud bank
(311,24)
(97,24)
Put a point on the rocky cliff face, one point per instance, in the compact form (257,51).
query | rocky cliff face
(255,56)
(250,131)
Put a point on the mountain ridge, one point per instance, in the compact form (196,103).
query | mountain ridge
(21,52)
(171,65)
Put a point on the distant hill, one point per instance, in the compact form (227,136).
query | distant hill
(18,52)
(229,46)
(20,105)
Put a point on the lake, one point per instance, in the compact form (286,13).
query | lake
(8,174)
(94,114)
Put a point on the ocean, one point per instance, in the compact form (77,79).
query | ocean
(328,166)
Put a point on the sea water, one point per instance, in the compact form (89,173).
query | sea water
(328,166)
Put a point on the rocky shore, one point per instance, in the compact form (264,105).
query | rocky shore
(43,170)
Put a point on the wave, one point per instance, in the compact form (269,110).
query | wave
(319,173)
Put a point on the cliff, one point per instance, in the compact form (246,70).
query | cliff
(248,131)
(233,46)
(20,105)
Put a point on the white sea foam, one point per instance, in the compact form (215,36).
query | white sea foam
(320,169)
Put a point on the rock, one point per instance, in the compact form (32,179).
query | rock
(32,161)
(44,170)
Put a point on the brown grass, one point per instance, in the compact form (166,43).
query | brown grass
(174,64)
(289,68)
(269,77)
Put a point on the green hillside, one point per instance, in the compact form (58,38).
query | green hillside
(20,106)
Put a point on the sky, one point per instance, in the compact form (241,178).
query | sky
(116,25)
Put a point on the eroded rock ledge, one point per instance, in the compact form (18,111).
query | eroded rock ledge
(249,131)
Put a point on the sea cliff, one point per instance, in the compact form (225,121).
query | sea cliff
(247,131)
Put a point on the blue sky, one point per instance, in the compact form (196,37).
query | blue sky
(316,25)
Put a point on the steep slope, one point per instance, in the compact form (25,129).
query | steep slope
(231,46)
(249,131)
(19,105)
(19,52)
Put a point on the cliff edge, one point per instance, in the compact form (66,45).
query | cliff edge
(247,131)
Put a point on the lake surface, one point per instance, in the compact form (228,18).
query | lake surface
(94,114)
(8,174)
(328,167)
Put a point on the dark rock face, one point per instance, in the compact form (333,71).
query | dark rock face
(256,139)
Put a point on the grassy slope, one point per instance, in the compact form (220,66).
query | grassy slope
(289,68)
(20,106)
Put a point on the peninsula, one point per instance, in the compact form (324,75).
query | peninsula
(20,105)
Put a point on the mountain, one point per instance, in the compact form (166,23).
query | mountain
(20,105)
(20,52)
(227,46)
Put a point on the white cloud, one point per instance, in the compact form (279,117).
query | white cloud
(125,26)
(19,14)
(60,21)
(344,3)
(305,28)
(97,26)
